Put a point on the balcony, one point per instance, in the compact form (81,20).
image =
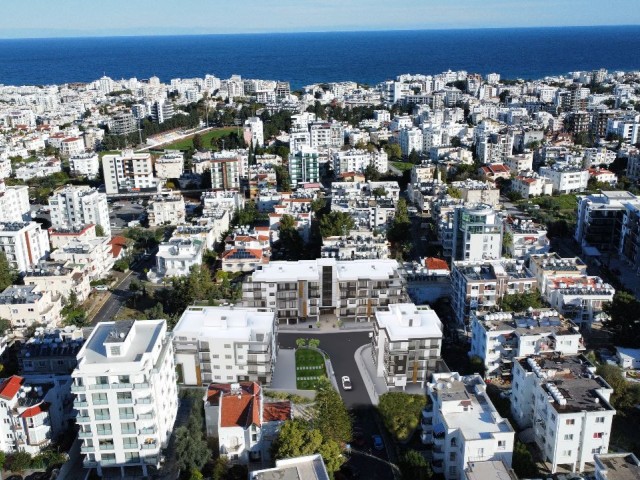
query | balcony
(149,445)
(107,446)
(144,401)
(87,449)
(78,388)
(139,386)
(103,417)
(147,431)
(100,386)
(90,463)
(121,386)
(78,404)
(146,416)
(85,434)
(127,416)
(83,419)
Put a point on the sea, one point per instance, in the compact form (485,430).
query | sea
(306,58)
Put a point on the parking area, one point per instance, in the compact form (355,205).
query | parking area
(122,212)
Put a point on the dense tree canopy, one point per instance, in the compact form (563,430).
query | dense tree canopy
(518,302)
(624,322)
(335,224)
(401,412)
(8,275)
(331,416)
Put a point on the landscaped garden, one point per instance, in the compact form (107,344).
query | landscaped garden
(309,368)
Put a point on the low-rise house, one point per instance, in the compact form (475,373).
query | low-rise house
(493,172)
(628,358)
(616,466)
(26,305)
(498,338)
(566,178)
(310,467)
(525,238)
(531,184)
(218,344)
(567,406)
(244,424)
(176,257)
(463,425)
(406,344)
(602,175)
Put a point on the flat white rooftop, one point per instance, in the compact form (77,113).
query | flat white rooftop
(311,270)
(239,324)
(301,468)
(404,321)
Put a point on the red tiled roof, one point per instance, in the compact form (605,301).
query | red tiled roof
(117,244)
(35,410)
(10,387)
(433,263)
(256,253)
(237,409)
(276,411)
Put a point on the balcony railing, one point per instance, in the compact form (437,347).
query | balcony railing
(87,449)
(85,434)
(146,416)
(149,446)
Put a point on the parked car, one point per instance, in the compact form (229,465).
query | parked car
(101,288)
(378,444)
(346,383)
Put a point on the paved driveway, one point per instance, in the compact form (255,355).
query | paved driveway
(284,375)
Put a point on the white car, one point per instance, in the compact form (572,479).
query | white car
(346,383)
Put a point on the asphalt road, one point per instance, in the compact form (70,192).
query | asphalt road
(341,348)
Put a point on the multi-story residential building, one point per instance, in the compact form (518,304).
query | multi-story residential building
(126,395)
(304,167)
(464,426)
(326,135)
(355,245)
(14,203)
(166,209)
(72,146)
(123,124)
(79,205)
(410,140)
(629,246)
(244,424)
(254,131)
(477,286)
(477,233)
(24,244)
(355,160)
(214,202)
(531,185)
(60,237)
(85,165)
(218,344)
(310,467)
(94,254)
(566,178)
(176,257)
(170,165)
(60,278)
(567,406)
(27,305)
(598,157)
(128,172)
(226,171)
(161,111)
(406,344)
(51,352)
(305,289)
(523,238)
(600,217)
(498,338)
(473,191)
(495,147)
(616,466)
(547,266)
(582,299)
(602,175)
(424,172)
(520,163)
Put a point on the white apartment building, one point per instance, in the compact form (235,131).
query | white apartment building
(60,278)
(498,338)
(176,257)
(477,233)
(75,206)
(72,146)
(304,167)
(582,299)
(25,424)
(567,406)
(531,185)
(128,172)
(170,165)
(14,203)
(94,254)
(406,344)
(254,131)
(410,139)
(425,172)
(310,467)
(478,286)
(166,209)
(126,395)
(358,160)
(566,178)
(616,466)
(464,426)
(41,168)
(603,175)
(598,156)
(27,305)
(61,237)
(520,163)
(213,202)
(85,165)
(357,244)
(473,191)
(225,345)
(24,244)
(226,171)
(244,424)
(326,135)
(526,238)
(545,267)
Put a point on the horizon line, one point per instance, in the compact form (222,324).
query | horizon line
(295,32)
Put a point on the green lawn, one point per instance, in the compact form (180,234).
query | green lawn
(562,202)
(187,143)
(309,368)
(402,166)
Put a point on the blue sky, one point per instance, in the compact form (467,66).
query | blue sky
(54,18)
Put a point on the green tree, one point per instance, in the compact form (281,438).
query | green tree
(414,157)
(336,223)
(523,463)
(72,312)
(301,342)
(314,343)
(625,394)
(4,326)
(624,319)
(283,180)
(100,231)
(414,466)
(399,232)
(454,192)
(7,274)
(379,192)
(197,142)
(3,459)
(196,475)
(18,462)
(371,173)
(393,151)
(331,416)
(518,302)
(401,412)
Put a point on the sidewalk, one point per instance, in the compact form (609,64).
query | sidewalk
(326,326)
(375,386)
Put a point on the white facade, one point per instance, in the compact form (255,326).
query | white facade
(310,467)
(406,344)
(498,338)
(128,171)
(477,233)
(410,139)
(166,209)
(304,167)
(582,299)
(463,425)
(218,344)
(126,394)
(567,406)
(72,146)
(176,257)
(94,254)
(74,207)
(254,130)
(85,165)
(14,203)
(358,160)
(170,165)
(526,238)
(531,185)
(24,244)
(566,179)
(60,279)
(27,305)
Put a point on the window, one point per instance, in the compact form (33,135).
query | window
(102,414)
(125,397)
(598,435)
(227,345)
(452,456)
(452,471)
(102,380)
(227,357)
(126,412)
(567,453)
(114,351)
(599,419)
(570,421)
(103,428)
(127,428)
(124,379)
(568,436)
(502,444)
(130,442)
(106,444)
(99,398)
(131,455)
